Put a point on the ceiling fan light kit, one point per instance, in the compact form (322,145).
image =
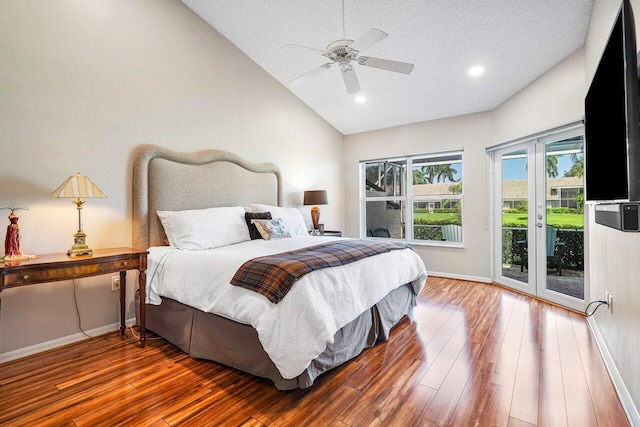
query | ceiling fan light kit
(346,52)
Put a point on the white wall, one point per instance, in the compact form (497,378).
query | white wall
(82,83)
(554,99)
(615,254)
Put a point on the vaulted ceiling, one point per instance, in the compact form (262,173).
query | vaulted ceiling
(515,41)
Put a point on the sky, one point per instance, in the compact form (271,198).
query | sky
(515,168)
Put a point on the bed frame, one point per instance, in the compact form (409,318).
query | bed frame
(169,180)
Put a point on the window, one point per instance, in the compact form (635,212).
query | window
(569,197)
(424,191)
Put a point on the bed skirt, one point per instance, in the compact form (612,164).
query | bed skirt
(208,336)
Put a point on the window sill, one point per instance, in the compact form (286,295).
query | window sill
(434,243)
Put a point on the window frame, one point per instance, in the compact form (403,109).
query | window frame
(408,199)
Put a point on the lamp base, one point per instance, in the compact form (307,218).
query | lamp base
(315,216)
(74,251)
(79,245)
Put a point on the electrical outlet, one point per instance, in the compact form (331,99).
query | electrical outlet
(115,283)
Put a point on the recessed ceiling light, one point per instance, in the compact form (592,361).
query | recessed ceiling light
(361,98)
(476,71)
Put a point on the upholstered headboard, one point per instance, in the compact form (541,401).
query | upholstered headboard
(164,179)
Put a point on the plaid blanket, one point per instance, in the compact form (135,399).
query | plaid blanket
(274,275)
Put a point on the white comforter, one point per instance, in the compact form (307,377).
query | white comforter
(296,330)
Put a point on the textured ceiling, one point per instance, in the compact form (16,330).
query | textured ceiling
(515,40)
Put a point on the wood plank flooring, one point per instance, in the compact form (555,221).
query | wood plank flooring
(471,354)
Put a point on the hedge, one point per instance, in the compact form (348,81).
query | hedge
(436,210)
(572,259)
(445,221)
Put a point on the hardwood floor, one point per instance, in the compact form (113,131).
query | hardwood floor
(471,354)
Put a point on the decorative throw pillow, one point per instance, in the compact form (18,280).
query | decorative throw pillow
(271,228)
(291,216)
(253,231)
(200,229)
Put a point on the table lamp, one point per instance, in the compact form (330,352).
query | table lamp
(79,186)
(315,197)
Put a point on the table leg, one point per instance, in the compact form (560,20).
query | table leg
(123,296)
(142,284)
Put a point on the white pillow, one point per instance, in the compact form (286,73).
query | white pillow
(271,229)
(205,228)
(291,216)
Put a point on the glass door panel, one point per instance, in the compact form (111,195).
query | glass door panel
(564,201)
(514,214)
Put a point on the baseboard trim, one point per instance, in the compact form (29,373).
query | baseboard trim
(623,393)
(59,342)
(460,277)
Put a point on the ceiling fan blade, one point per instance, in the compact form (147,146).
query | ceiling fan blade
(297,46)
(368,39)
(350,80)
(311,73)
(386,64)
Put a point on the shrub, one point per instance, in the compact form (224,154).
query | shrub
(572,259)
(443,221)
(447,210)
(436,210)
(510,239)
(427,233)
(562,210)
(523,206)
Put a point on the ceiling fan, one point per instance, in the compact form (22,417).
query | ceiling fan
(346,53)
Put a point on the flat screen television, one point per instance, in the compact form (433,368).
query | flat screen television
(612,115)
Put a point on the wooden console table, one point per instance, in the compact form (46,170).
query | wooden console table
(57,267)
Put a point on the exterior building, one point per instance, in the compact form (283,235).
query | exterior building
(438,189)
(561,192)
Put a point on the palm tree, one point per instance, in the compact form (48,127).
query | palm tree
(577,166)
(552,166)
(446,172)
(456,188)
(418,177)
(430,172)
(577,169)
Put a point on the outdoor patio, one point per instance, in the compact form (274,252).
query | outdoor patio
(570,283)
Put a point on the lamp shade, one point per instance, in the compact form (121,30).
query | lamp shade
(78,186)
(315,197)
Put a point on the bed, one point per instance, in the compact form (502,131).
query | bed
(312,330)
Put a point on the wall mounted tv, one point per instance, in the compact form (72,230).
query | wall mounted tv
(612,115)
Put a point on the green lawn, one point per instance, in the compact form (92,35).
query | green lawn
(553,219)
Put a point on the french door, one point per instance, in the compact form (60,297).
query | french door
(538,217)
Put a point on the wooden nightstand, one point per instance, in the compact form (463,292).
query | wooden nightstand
(57,267)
